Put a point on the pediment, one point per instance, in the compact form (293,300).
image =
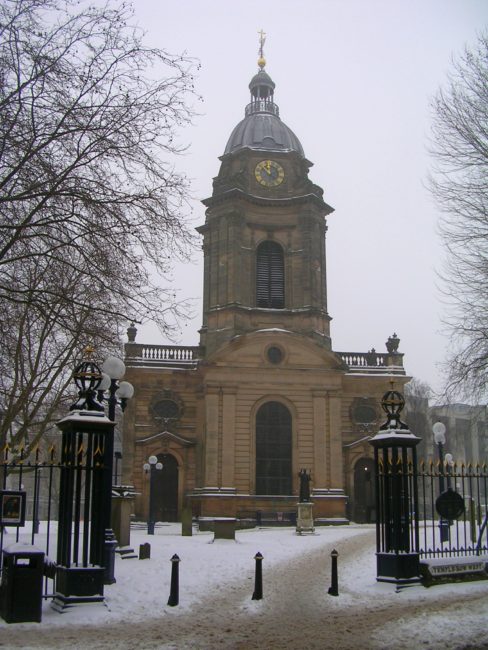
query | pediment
(256,349)
(167,436)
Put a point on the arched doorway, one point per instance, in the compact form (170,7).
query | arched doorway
(364,507)
(166,489)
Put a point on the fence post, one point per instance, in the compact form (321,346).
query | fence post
(472,520)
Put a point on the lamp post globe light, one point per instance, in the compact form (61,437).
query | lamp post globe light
(449,460)
(114,392)
(439,431)
(151,467)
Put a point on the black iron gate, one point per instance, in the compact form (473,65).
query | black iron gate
(465,533)
(41,477)
(461,535)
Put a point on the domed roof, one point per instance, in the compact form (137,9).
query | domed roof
(263,131)
(262,127)
(262,78)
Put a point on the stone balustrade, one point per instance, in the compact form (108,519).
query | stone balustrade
(188,356)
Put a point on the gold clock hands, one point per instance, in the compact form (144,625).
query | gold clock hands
(269,173)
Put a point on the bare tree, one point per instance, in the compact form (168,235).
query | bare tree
(40,345)
(417,396)
(88,127)
(92,211)
(459,183)
(418,389)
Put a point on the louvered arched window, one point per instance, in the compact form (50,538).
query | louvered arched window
(273,449)
(270,276)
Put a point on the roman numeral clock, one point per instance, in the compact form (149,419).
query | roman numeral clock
(269,173)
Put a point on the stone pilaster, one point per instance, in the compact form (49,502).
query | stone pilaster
(228,437)
(319,438)
(211,436)
(335,422)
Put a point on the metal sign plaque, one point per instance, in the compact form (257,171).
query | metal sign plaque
(450,504)
(12,507)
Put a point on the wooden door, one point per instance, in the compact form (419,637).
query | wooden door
(166,489)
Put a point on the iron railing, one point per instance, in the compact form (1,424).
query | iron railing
(429,535)
(426,531)
(42,479)
(465,535)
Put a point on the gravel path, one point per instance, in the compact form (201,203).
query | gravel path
(296,612)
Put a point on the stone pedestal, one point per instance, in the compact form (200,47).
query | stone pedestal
(398,568)
(122,507)
(224,528)
(305,518)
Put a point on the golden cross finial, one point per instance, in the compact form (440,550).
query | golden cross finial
(262,41)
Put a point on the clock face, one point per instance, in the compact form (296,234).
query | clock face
(269,173)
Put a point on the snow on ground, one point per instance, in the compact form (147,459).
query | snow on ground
(216,609)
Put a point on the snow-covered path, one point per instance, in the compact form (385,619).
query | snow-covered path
(216,609)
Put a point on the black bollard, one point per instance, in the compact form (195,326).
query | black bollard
(258,580)
(174,596)
(334,587)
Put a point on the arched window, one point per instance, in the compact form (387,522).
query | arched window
(270,276)
(273,449)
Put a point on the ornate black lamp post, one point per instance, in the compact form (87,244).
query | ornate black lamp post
(35,514)
(439,430)
(118,393)
(151,467)
(397,529)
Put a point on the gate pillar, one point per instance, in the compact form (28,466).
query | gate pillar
(81,531)
(397,529)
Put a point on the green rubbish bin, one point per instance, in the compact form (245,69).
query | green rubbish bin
(21,586)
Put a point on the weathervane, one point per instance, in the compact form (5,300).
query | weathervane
(262,41)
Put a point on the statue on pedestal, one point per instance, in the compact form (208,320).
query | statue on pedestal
(305,478)
(304,508)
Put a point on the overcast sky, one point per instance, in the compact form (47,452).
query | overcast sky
(354,79)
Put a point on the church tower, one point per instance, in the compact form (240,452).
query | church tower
(264,235)
(236,420)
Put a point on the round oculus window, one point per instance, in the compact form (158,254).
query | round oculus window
(364,414)
(275,355)
(166,409)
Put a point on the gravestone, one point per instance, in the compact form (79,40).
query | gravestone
(186,522)
(145,551)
